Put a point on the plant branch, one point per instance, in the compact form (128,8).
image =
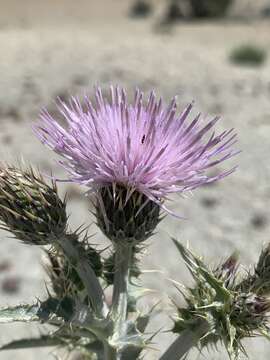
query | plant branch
(109,352)
(185,342)
(70,247)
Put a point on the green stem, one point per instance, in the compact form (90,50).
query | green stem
(185,342)
(94,290)
(123,259)
(109,353)
(84,318)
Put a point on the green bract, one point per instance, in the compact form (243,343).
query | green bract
(126,215)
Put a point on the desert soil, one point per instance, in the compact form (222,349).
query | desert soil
(51,49)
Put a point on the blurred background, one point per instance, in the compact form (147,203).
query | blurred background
(215,52)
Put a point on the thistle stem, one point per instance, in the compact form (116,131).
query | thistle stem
(86,273)
(109,353)
(185,342)
(123,259)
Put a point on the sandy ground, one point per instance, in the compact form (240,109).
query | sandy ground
(61,48)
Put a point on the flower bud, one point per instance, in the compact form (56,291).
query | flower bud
(262,272)
(230,312)
(126,216)
(30,209)
(249,311)
(259,281)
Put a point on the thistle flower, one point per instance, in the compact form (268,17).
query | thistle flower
(144,148)
(30,209)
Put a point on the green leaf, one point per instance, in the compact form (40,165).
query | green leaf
(143,319)
(221,292)
(23,313)
(197,267)
(142,322)
(77,256)
(52,310)
(43,341)
(265,333)
(232,350)
(190,260)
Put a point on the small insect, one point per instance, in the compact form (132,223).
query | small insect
(143,139)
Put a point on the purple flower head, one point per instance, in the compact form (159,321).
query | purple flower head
(147,147)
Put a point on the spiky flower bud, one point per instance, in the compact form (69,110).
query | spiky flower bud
(125,215)
(231,313)
(263,266)
(259,280)
(249,312)
(262,272)
(29,208)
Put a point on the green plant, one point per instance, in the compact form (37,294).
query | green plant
(248,55)
(140,8)
(173,12)
(131,157)
(209,8)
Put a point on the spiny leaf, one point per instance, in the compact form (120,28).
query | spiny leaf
(24,313)
(43,341)
(221,292)
(189,258)
(232,351)
(265,333)
(142,322)
(138,292)
(197,267)
(143,319)
(51,311)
